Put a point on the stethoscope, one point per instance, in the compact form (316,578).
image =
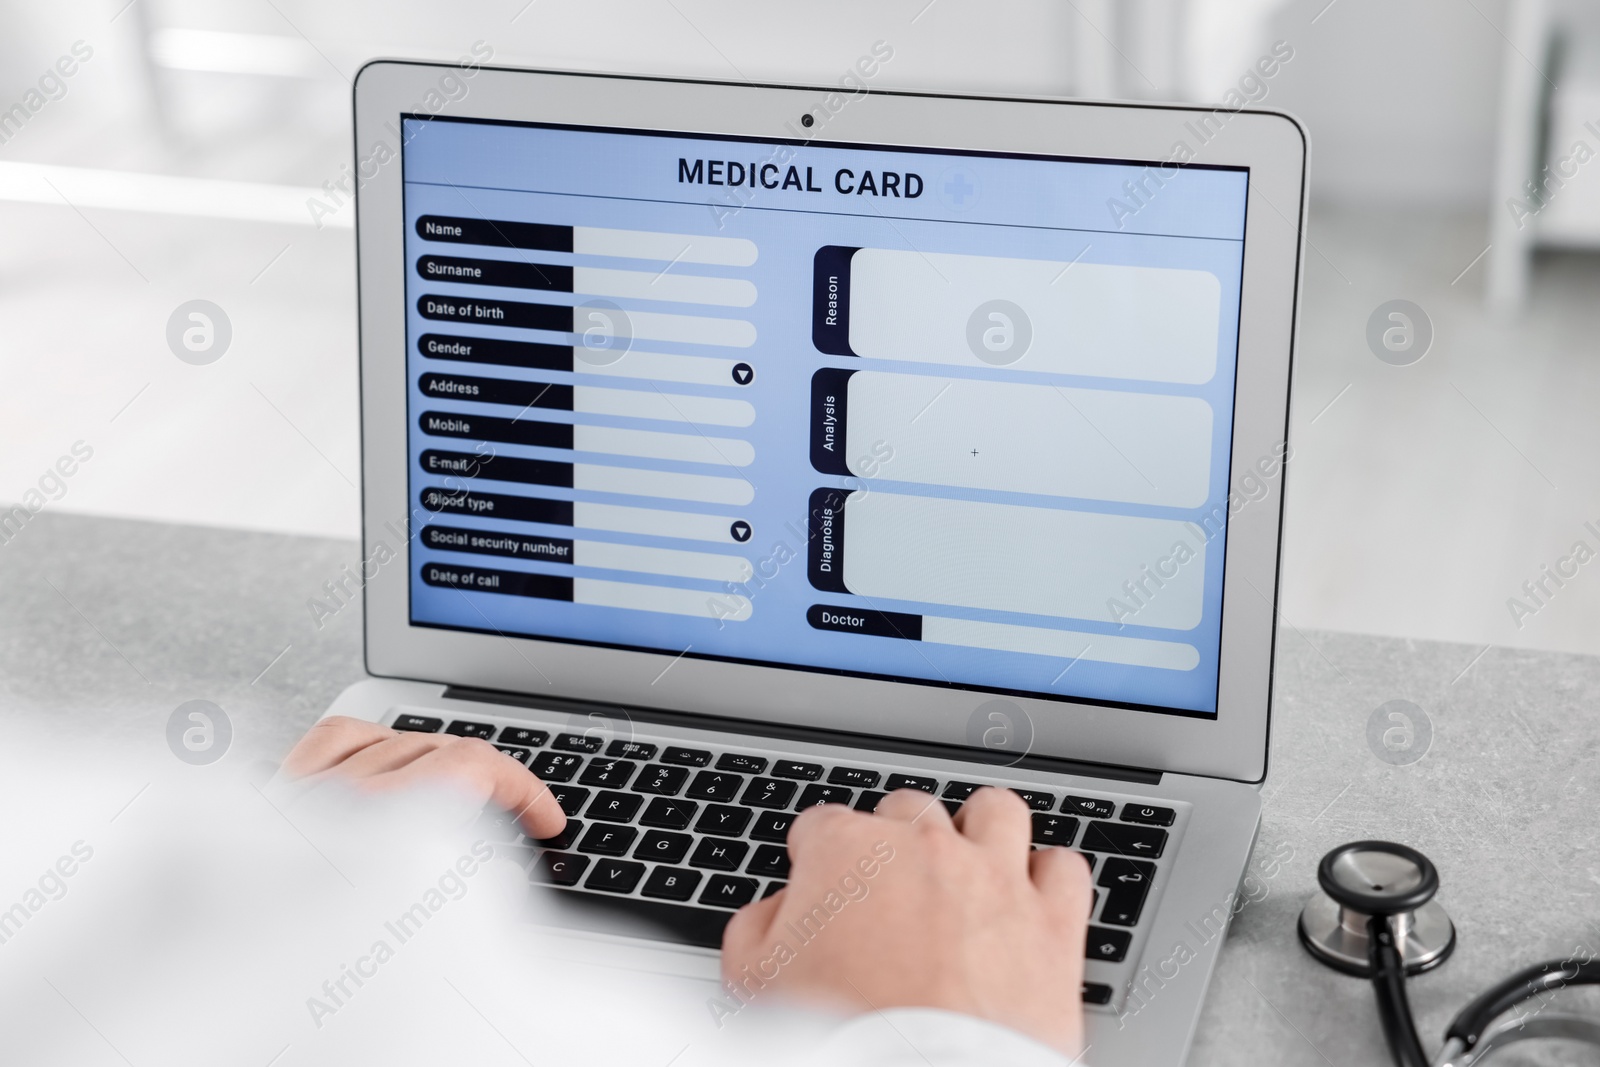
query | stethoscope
(1376,918)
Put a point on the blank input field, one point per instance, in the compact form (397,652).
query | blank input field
(710,566)
(667,407)
(684,329)
(672,247)
(656,522)
(663,285)
(660,367)
(1060,644)
(1146,323)
(667,485)
(1139,448)
(1036,561)
(650,444)
(604,594)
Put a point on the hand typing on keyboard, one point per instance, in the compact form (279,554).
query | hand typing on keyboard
(377,757)
(955,915)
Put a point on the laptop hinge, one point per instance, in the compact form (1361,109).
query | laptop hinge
(753,728)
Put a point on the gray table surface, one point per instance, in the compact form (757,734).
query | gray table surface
(109,625)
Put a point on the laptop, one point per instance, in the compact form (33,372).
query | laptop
(730,449)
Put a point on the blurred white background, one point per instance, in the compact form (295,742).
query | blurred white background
(179,158)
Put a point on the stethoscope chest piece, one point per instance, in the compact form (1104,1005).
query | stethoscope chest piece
(1376,878)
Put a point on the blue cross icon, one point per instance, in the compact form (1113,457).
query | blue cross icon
(958,188)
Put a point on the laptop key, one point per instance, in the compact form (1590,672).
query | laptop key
(723,820)
(804,772)
(770,861)
(522,854)
(960,790)
(855,777)
(1123,904)
(1124,839)
(558,868)
(823,794)
(638,750)
(462,728)
(608,840)
(576,743)
(615,876)
(713,785)
(1151,816)
(663,847)
(661,780)
(772,887)
(570,797)
(1096,993)
(499,826)
(421,724)
(868,800)
(519,754)
(1106,944)
(1119,872)
(665,814)
(773,826)
(768,793)
(1036,800)
(733,761)
(522,735)
(608,773)
(719,855)
(727,891)
(671,883)
(952,806)
(614,807)
(555,766)
(564,840)
(910,781)
(1053,829)
(1128,882)
(1089,807)
(686,757)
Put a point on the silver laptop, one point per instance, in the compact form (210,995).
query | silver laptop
(730,449)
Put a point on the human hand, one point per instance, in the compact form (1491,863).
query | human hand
(907,908)
(378,758)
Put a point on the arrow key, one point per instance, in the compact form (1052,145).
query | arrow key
(1124,839)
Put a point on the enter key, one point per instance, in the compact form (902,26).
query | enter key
(1127,883)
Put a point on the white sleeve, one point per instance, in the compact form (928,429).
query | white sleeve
(926,1037)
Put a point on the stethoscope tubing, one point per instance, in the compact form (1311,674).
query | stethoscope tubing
(1473,1022)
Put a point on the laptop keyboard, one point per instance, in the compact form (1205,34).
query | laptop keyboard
(684,835)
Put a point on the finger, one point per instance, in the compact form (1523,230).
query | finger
(389,754)
(492,777)
(819,829)
(747,934)
(913,805)
(1062,876)
(997,819)
(330,741)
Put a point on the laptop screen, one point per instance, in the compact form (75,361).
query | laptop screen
(945,418)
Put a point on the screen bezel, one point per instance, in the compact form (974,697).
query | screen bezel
(1270,145)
